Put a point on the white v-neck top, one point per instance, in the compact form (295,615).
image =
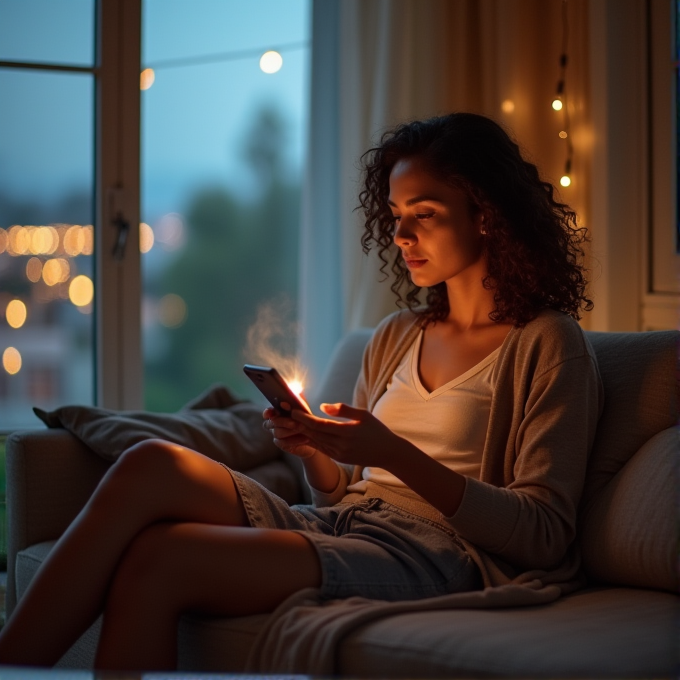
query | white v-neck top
(449,424)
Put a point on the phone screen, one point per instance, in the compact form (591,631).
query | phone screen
(269,381)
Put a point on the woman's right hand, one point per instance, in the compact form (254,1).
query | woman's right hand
(286,433)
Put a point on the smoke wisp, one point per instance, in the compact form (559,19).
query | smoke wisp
(272,340)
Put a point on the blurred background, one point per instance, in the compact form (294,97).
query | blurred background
(222,149)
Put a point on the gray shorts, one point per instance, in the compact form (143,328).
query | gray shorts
(369,548)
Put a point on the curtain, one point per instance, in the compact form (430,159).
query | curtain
(376,63)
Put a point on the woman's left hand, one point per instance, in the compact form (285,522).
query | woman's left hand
(360,440)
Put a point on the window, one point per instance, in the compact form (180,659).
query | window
(47,184)
(223,147)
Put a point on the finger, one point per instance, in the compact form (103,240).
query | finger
(341,410)
(269,412)
(312,424)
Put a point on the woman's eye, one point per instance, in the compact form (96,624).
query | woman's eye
(424,216)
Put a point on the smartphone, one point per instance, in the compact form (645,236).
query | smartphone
(269,381)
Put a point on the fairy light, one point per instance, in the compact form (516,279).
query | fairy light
(560,101)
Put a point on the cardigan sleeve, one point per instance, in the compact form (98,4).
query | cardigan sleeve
(348,473)
(531,521)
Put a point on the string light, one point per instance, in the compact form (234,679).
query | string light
(559,103)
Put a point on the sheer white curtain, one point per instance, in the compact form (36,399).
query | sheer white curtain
(376,63)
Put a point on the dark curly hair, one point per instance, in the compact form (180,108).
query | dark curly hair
(533,245)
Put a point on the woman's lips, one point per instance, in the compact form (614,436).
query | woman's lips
(413,263)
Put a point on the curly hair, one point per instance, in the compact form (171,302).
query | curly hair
(533,245)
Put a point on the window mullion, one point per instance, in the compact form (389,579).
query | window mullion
(118,277)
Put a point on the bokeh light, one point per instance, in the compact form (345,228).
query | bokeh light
(271,61)
(563,134)
(74,240)
(172,310)
(565,180)
(56,270)
(4,240)
(508,106)
(169,231)
(15,313)
(146,78)
(11,360)
(43,240)
(34,270)
(88,235)
(557,104)
(18,240)
(146,237)
(81,291)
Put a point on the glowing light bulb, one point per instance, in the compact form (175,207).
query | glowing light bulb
(271,61)
(146,78)
(557,104)
(508,106)
(565,180)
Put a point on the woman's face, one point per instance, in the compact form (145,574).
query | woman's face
(435,228)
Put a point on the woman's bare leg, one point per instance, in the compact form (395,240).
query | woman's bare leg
(153,481)
(174,568)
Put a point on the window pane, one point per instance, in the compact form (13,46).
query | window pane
(222,155)
(46,240)
(47,31)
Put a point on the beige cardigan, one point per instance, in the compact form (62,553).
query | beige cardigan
(518,521)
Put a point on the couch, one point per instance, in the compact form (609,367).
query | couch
(623,624)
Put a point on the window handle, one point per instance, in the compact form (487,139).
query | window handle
(123,227)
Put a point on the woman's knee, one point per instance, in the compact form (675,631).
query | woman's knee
(142,471)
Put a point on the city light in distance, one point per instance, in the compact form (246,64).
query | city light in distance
(146,238)
(557,104)
(81,291)
(172,310)
(11,360)
(56,270)
(508,106)
(146,78)
(71,240)
(15,313)
(565,180)
(271,61)
(34,269)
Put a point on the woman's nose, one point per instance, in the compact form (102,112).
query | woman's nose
(404,234)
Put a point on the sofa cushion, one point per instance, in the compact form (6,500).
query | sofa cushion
(610,632)
(600,632)
(639,376)
(631,536)
(216,424)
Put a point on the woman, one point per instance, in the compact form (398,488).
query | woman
(460,466)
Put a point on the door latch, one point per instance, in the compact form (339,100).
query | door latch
(123,227)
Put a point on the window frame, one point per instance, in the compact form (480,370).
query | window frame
(661,296)
(119,365)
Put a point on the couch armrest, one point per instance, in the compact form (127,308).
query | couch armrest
(50,477)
